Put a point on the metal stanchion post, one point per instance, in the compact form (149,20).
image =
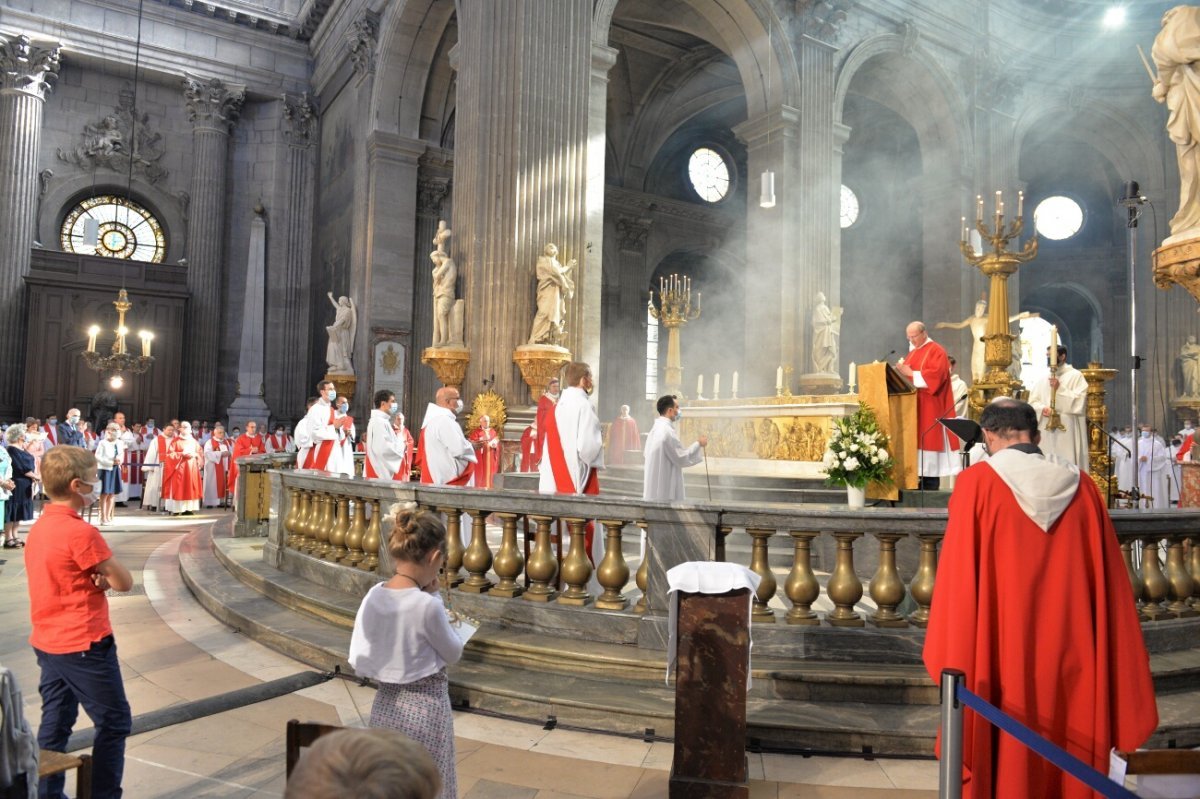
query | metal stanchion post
(950,765)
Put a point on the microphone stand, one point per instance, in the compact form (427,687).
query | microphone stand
(1111,439)
(1132,202)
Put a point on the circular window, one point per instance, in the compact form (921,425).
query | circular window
(123,229)
(709,174)
(849,214)
(1058,217)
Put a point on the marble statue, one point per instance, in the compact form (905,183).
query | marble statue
(442,236)
(1189,362)
(1176,55)
(554,288)
(978,326)
(445,274)
(341,335)
(826,332)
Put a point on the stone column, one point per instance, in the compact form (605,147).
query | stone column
(623,379)
(213,108)
(289,297)
(522,174)
(27,72)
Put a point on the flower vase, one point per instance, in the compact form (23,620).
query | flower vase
(856,497)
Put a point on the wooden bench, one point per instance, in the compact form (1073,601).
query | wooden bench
(51,763)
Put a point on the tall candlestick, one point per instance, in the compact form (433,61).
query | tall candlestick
(779,379)
(735,384)
(853,375)
(699,386)
(716,385)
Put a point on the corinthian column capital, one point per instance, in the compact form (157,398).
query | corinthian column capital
(299,119)
(212,103)
(27,66)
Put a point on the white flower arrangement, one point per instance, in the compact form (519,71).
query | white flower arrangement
(857,452)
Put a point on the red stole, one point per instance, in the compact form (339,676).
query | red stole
(219,476)
(318,456)
(427,478)
(563,483)
(52,434)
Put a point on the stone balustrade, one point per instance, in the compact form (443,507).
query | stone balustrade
(337,520)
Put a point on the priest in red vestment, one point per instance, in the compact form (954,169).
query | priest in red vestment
(1032,602)
(928,367)
(247,444)
(545,405)
(181,488)
(529,451)
(486,442)
(622,437)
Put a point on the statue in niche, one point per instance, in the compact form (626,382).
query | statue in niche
(1176,53)
(978,325)
(554,288)
(1189,367)
(341,335)
(826,332)
(445,274)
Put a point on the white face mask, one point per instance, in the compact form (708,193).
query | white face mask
(458,406)
(1145,434)
(90,497)
(394,408)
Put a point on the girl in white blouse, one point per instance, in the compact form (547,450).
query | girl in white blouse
(403,640)
(109,454)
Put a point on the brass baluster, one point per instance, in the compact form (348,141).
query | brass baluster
(642,577)
(844,587)
(337,534)
(922,583)
(295,521)
(308,525)
(760,565)
(451,576)
(1179,580)
(328,520)
(576,569)
(1135,579)
(509,561)
(543,566)
(613,571)
(358,531)
(1194,568)
(723,531)
(371,540)
(478,557)
(887,589)
(802,587)
(289,521)
(1154,582)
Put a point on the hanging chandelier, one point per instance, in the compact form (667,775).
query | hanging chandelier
(119,361)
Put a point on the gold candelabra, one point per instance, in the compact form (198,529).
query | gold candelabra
(673,312)
(119,360)
(997,264)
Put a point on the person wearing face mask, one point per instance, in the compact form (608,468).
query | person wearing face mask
(347,435)
(70,434)
(216,468)
(181,488)
(19,507)
(35,445)
(387,451)
(324,429)
(152,468)
(443,452)
(666,457)
(1153,465)
(69,567)
(246,446)
(545,406)
(280,441)
(108,458)
(51,431)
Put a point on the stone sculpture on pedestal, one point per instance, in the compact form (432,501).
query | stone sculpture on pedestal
(554,288)
(978,325)
(826,330)
(341,335)
(1189,363)
(1176,54)
(445,275)
(448,355)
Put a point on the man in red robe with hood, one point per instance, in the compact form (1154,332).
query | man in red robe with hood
(1033,604)
(623,436)
(928,367)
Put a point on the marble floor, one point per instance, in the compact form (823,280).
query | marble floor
(172,651)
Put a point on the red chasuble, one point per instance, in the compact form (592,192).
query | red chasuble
(529,453)
(184,472)
(622,437)
(487,459)
(244,447)
(935,401)
(1044,626)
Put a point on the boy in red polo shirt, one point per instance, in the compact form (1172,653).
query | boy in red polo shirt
(69,568)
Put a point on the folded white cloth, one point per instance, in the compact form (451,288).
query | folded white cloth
(699,577)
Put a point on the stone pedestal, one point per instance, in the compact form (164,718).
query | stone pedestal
(820,383)
(345,385)
(448,363)
(538,364)
(713,657)
(1178,262)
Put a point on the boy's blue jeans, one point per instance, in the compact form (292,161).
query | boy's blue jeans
(91,678)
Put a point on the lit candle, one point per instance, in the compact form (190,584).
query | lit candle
(121,333)
(93,331)
(699,386)
(716,385)
(998,200)
(978,207)
(735,384)
(853,375)
(779,379)
(149,340)
(964,228)
(1020,204)
(1052,358)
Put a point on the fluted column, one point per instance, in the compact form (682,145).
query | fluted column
(288,297)
(27,72)
(213,108)
(521,173)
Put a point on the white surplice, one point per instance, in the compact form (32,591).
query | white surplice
(1071,443)
(385,450)
(447,451)
(665,460)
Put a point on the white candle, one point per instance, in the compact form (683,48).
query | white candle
(779,379)
(978,207)
(735,384)
(699,385)
(93,331)
(1052,358)
(1020,203)
(964,228)
(717,385)
(853,375)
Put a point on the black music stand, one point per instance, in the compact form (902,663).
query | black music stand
(969,433)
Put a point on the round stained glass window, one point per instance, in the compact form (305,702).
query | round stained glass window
(849,213)
(1057,218)
(709,174)
(122,229)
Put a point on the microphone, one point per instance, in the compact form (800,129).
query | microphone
(1131,198)
(890,354)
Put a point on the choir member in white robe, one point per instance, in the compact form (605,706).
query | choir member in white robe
(1176,472)
(665,457)
(217,453)
(386,452)
(128,443)
(279,441)
(302,440)
(444,453)
(1071,443)
(960,390)
(152,468)
(573,451)
(347,438)
(325,429)
(1154,464)
(1121,452)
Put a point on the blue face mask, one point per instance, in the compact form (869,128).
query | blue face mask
(394,408)
(343,407)
(679,414)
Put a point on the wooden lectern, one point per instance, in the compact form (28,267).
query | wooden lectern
(894,400)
